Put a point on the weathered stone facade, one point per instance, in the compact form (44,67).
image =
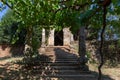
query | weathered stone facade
(64,38)
(51,37)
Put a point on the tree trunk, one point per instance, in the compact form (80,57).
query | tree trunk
(28,44)
(82,49)
(82,46)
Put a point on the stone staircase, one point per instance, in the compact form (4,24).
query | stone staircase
(64,65)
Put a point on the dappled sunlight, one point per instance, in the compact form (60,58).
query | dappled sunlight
(12,69)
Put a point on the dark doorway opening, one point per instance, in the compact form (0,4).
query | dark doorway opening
(58,38)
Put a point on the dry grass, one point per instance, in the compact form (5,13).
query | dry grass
(113,72)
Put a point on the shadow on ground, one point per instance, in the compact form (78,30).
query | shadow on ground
(13,71)
(10,71)
(19,71)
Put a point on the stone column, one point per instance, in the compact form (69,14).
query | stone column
(43,37)
(67,38)
(51,38)
(71,38)
(82,49)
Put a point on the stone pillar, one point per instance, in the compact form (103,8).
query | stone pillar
(67,38)
(82,49)
(71,38)
(51,38)
(43,37)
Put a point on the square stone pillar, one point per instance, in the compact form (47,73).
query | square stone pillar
(51,38)
(67,36)
(43,37)
(71,38)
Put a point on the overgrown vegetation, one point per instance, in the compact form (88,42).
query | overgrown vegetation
(31,16)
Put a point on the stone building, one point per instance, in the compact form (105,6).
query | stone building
(57,38)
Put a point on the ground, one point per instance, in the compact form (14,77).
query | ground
(113,73)
(10,71)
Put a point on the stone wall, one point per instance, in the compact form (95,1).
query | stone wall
(7,50)
(4,50)
(67,37)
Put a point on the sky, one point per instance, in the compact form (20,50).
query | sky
(3,11)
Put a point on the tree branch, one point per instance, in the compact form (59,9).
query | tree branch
(101,44)
(7,4)
(105,4)
(75,6)
(11,7)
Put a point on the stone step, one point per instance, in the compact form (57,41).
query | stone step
(65,64)
(72,72)
(49,49)
(66,61)
(60,56)
(55,64)
(59,63)
(82,76)
(65,67)
(66,58)
(56,67)
(66,72)
(49,54)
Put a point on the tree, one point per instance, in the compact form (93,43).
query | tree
(73,14)
(6,27)
(27,14)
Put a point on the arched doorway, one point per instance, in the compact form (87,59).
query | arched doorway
(58,38)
